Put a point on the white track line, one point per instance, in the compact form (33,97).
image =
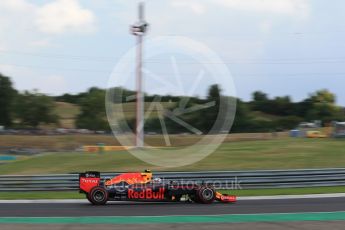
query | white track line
(280,197)
(84,201)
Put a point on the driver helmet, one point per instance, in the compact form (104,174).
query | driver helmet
(157,180)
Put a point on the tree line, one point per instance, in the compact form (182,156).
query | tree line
(24,109)
(30,109)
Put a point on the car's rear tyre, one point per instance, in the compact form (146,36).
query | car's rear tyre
(88,197)
(205,195)
(98,196)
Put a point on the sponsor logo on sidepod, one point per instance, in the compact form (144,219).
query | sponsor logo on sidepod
(93,181)
(146,194)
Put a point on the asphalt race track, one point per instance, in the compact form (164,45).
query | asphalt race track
(164,209)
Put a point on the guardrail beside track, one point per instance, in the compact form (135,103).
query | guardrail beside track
(220,179)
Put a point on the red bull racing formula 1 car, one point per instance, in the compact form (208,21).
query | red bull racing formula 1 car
(143,187)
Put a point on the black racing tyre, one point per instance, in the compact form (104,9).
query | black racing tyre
(205,195)
(98,196)
(88,197)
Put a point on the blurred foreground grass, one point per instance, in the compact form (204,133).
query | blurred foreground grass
(283,153)
(244,192)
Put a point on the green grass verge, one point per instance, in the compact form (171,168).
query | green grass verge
(41,195)
(285,153)
(244,192)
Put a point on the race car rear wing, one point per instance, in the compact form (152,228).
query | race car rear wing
(88,180)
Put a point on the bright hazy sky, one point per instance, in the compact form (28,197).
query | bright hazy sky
(282,47)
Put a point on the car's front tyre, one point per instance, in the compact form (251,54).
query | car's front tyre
(205,195)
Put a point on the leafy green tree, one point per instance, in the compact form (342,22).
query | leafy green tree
(243,120)
(202,119)
(260,102)
(323,107)
(281,106)
(34,108)
(93,114)
(287,122)
(259,96)
(301,108)
(7,94)
(323,96)
(210,114)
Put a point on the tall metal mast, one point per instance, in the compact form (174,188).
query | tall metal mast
(139,29)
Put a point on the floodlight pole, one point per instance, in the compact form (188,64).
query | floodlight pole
(140,98)
(139,30)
